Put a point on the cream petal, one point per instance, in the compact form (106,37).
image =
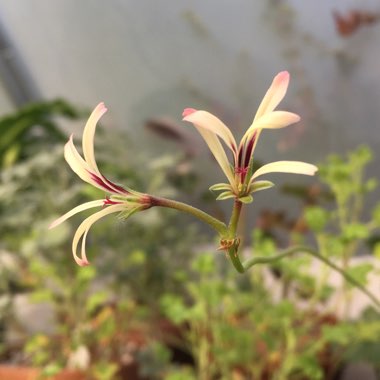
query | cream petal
(271,120)
(296,167)
(83,229)
(75,210)
(207,121)
(80,166)
(88,136)
(76,162)
(274,95)
(220,155)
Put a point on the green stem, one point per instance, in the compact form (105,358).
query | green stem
(234,256)
(216,224)
(271,259)
(234,221)
(233,251)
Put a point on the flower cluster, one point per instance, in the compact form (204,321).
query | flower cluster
(124,200)
(240,174)
(241,177)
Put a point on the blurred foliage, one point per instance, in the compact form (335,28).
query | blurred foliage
(85,302)
(155,305)
(31,126)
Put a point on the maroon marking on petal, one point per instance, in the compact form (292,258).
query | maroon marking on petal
(239,164)
(108,201)
(243,172)
(249,149)
(101,183)
(106,184)
(119,189)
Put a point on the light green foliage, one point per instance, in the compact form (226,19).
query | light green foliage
(17,130)
(87,303)
(231,326)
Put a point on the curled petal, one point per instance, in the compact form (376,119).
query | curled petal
(75,210)
(296,167)
(83,229)
(274,95)
(206,120)
(88,136)
(76,162)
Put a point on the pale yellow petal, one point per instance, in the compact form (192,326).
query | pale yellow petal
(274,95)
(272,120)
(296,167)
(79,165)
(88,136)
(75,210)
(84,228)
(218,151)
(75,161)
(206,120)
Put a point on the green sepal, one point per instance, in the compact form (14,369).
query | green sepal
(225,195)
(246,199)
(129,212)
(260,185)
(220,186)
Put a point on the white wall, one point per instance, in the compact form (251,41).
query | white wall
(149,58)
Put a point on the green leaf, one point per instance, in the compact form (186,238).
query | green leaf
(174,308)
(341,334)
(95,300)
(220,186)
(260,185)
(225,195)
(376,214)
(355,231)
(316,218)
(360,272)
(247,199)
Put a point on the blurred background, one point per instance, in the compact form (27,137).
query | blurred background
(148,61)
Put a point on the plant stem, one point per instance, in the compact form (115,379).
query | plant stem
(233,251)
(234,221)
(216,224)
(303,249)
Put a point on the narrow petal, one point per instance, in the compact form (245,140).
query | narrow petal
(75,210)
(206,120)
(296,167)
(76,162)
(87,173)
(88,136)
(271,120)
(274,95)
(83,229)
(218,151)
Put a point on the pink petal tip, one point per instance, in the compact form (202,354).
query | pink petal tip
(283,76)
(188,111)
(81,262)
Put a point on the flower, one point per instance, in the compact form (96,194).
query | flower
(240,174)
(123,200)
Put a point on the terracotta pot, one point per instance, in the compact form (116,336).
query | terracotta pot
(27,373)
